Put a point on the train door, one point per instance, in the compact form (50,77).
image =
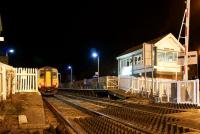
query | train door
(48,78)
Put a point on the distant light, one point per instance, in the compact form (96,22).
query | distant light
(1,38)
(69,67)
(11,50)
(94,55)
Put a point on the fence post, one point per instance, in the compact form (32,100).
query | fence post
(118,81)
(27,78)
(14,82)
(178,92)
(157,88)
(36,77)
(197,91)
(138,86)
(131,84)
(194,95)
(168,88)
(4,82)
(31,81)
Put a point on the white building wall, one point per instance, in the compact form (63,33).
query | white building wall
(7,87)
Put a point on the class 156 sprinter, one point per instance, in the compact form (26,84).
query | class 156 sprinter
(48,80)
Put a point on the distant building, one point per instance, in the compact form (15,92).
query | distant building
(157,58)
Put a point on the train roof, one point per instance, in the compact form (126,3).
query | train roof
(47,67)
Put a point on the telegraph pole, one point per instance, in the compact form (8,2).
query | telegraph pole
(187,28)
(186,23)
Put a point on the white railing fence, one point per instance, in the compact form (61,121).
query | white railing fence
(26,80)
(125,83)
(165,89)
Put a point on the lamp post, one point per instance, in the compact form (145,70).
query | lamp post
(70,68)
(95,55)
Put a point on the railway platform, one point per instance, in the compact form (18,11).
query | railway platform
(26,105)
(101,93)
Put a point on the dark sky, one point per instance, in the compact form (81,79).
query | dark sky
(58,34)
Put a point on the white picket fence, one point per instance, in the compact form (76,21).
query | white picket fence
(14,80)
(26,80)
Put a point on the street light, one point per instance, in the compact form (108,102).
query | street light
(70,68)
(10,51)
(95,55)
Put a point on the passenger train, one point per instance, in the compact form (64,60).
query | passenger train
(48,80)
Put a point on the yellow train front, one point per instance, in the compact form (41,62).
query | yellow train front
(48,80)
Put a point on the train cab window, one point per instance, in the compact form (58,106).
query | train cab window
(54,74)
(41,74)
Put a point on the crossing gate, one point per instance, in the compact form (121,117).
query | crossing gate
(26,80)
(107,82)
(111,82)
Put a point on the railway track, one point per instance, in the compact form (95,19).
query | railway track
(148,108)
(66,124)
(87,120)
(137,116)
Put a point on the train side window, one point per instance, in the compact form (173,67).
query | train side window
(41,74)
(54,75)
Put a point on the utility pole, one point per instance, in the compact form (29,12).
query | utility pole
(186,22)
(187,38)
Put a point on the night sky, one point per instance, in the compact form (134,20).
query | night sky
(58,34)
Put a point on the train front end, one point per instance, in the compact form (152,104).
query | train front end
(48,80)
